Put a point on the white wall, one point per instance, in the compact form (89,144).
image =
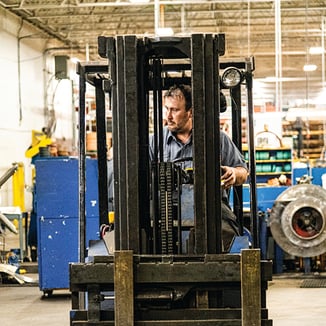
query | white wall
(27,91)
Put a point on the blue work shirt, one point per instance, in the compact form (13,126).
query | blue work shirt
(174,149)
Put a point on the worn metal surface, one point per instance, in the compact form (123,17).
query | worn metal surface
(165,284)
(123,288)
(251,287)
(161,269)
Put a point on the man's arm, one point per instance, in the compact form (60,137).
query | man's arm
(234,167)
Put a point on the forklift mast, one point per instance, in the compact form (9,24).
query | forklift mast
(140,69)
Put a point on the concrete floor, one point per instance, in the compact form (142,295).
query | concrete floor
(288,305)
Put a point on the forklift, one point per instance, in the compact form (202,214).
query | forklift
(138,272)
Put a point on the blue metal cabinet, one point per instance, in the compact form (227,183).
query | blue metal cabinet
(57,209)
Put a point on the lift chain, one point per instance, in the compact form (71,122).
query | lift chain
(166,206)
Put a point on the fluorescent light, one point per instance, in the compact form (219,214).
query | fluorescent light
(316,50)
(139,1)
(164,31)
(74,60)
(309,67)
(273,79)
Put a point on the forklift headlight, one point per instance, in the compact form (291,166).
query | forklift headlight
(231,77)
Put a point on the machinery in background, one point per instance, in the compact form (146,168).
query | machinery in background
(17,174)
(4,221)
(147,280)
(11,218)
(15,219)
(8,174)
(298,220)
(40,142)
(42,139)
(289,251)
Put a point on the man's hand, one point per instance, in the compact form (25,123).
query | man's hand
(233,176)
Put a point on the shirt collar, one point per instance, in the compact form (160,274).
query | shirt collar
(171,136)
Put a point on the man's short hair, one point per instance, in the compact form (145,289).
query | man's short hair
(185,90)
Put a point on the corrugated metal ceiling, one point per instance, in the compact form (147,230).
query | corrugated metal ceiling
(249,27)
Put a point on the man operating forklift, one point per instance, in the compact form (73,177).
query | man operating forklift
(177,144)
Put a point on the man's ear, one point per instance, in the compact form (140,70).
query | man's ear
(190,112)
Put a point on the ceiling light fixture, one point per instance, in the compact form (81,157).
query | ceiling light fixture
(74,60)
(273,79)
(164,31)
(316,50)
(139,1)
(309,67)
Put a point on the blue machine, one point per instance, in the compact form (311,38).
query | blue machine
(316,174)
(57,205)
(265,200)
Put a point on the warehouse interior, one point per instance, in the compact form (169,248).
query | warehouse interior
(76,74)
